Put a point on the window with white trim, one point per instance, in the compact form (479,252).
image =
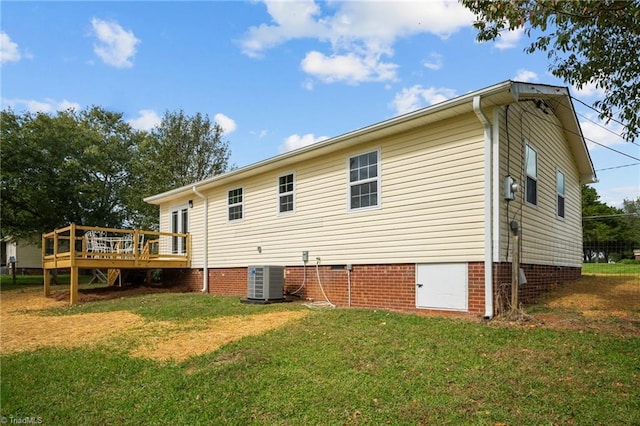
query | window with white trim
(235,204)
(364,181)
(560,193)
(286,185)
(531,167)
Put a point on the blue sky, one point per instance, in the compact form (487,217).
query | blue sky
(274,75)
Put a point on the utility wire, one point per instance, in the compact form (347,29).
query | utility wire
(599,112)
(618,167)
(606,128)
(610,215)
(590,140)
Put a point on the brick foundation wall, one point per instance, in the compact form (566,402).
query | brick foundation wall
(540,280)
(191,279)
(372,286)
(228,281)
(475,277)
(383,286)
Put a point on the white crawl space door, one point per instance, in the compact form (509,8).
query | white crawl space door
(442,286)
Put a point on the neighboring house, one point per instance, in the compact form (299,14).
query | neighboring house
(410,213)
(28,256)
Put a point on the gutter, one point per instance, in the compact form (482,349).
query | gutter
(488,208)
(205,269)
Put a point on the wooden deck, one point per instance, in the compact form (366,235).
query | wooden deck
(88,247)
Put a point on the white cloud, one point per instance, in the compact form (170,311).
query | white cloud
(147,120)
(614,196)
(358,33)
(261,134)
(116,46)
(588,90)
(48,105)
(434,62)
(228,125)
(509,39)
(416,97)
(525,75)
(349,68)
(297,141)
(9,51)
(593,129)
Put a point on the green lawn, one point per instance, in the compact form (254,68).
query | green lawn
(27,281)
(611,268)
(334,367)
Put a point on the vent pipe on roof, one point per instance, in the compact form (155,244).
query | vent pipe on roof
(488,207)
(205,268)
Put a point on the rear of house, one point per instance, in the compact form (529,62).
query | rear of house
(409,213)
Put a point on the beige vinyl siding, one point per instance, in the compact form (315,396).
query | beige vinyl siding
(546,238)
(196,226)
(431,206)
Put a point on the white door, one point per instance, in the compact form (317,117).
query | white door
(442,286)
(179,224)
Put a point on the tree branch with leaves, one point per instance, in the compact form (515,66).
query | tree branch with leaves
(587,42)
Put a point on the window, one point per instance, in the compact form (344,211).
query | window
(285,193)
(235,204)
(179,225)
(531,163)
(560,193)
(364,181)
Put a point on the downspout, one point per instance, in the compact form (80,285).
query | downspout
(205,269)
(488,208)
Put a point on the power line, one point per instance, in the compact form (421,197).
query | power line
(606,128)
(610,215)
(599,112)
(611,149)
(618,167)
(588,139)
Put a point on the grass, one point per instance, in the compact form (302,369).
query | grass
(611,268)
(28,281)
(333,367)
(174,307)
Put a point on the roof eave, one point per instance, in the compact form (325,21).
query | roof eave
(498,94)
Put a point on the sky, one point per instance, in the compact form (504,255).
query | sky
(276,75)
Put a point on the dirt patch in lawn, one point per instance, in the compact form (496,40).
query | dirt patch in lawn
(23,329)
(169,341)
(604,303)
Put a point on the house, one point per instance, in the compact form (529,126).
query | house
(27,256)
(415,212)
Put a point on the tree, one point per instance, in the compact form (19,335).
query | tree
(64,168)
(631,220)
(91,168)
(586,41)
(609,233)
(179,151)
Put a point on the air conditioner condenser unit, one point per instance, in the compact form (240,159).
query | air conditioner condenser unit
(265,282)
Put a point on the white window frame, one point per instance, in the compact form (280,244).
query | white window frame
(237,204)
(292,193)
(559,173)
(178,224)
(529,146)
(377,179)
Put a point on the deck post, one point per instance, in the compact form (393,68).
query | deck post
(73,293)
(45,272)
(47,282)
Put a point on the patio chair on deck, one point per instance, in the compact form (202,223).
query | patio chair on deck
(96,242)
